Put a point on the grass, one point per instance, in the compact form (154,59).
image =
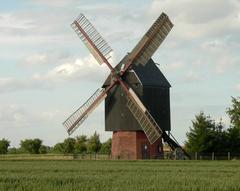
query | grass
(36,175)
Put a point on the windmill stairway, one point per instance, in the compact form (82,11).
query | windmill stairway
(174,145)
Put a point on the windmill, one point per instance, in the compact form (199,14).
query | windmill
(143,137)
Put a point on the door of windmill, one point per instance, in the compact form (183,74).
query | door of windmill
(145,151)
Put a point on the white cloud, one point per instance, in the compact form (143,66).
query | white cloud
(54,3)
(196,11)
(220,54)
(75,69)
(86,69)
(35,59)
(46,58)
(50,115)
(34,28)
(14,84)
(174,66)
(7,21)
(197,19)
(191,77)
(12,114)
(224,63)
(16,115)
(208,11)
(237,87)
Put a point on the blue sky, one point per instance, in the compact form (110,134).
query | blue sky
(46,72)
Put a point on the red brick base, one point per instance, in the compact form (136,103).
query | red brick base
(134,145)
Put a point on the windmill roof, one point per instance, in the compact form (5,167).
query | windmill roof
(151,75)
(147,75)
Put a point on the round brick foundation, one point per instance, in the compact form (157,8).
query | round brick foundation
(135,145)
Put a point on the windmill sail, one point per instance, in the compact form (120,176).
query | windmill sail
(77,118)
(143,117)
(150,42)
(98,47)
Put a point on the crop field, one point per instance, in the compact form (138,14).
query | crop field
(36,175)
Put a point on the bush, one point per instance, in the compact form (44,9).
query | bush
(4,144)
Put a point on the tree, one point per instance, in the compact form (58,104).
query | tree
(58,148)
(44,149)
(4,144)
(219,139)
(106,147)
(234,112)
(94,144)
(201,135)
(233,133)
(13,150)
(81,144)
(233,139)
(31,146)
(68,145)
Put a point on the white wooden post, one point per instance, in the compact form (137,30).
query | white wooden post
(213,156)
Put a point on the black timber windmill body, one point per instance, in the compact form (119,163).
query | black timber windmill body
(152,88)
(136,93)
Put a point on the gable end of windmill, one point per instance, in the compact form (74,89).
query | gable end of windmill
(146,75)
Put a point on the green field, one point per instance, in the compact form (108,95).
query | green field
(118,175)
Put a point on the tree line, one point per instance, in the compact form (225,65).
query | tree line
(205,135)
(78,145)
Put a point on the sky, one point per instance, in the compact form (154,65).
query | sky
(47,73)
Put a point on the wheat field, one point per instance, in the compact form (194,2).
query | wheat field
(59,175)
